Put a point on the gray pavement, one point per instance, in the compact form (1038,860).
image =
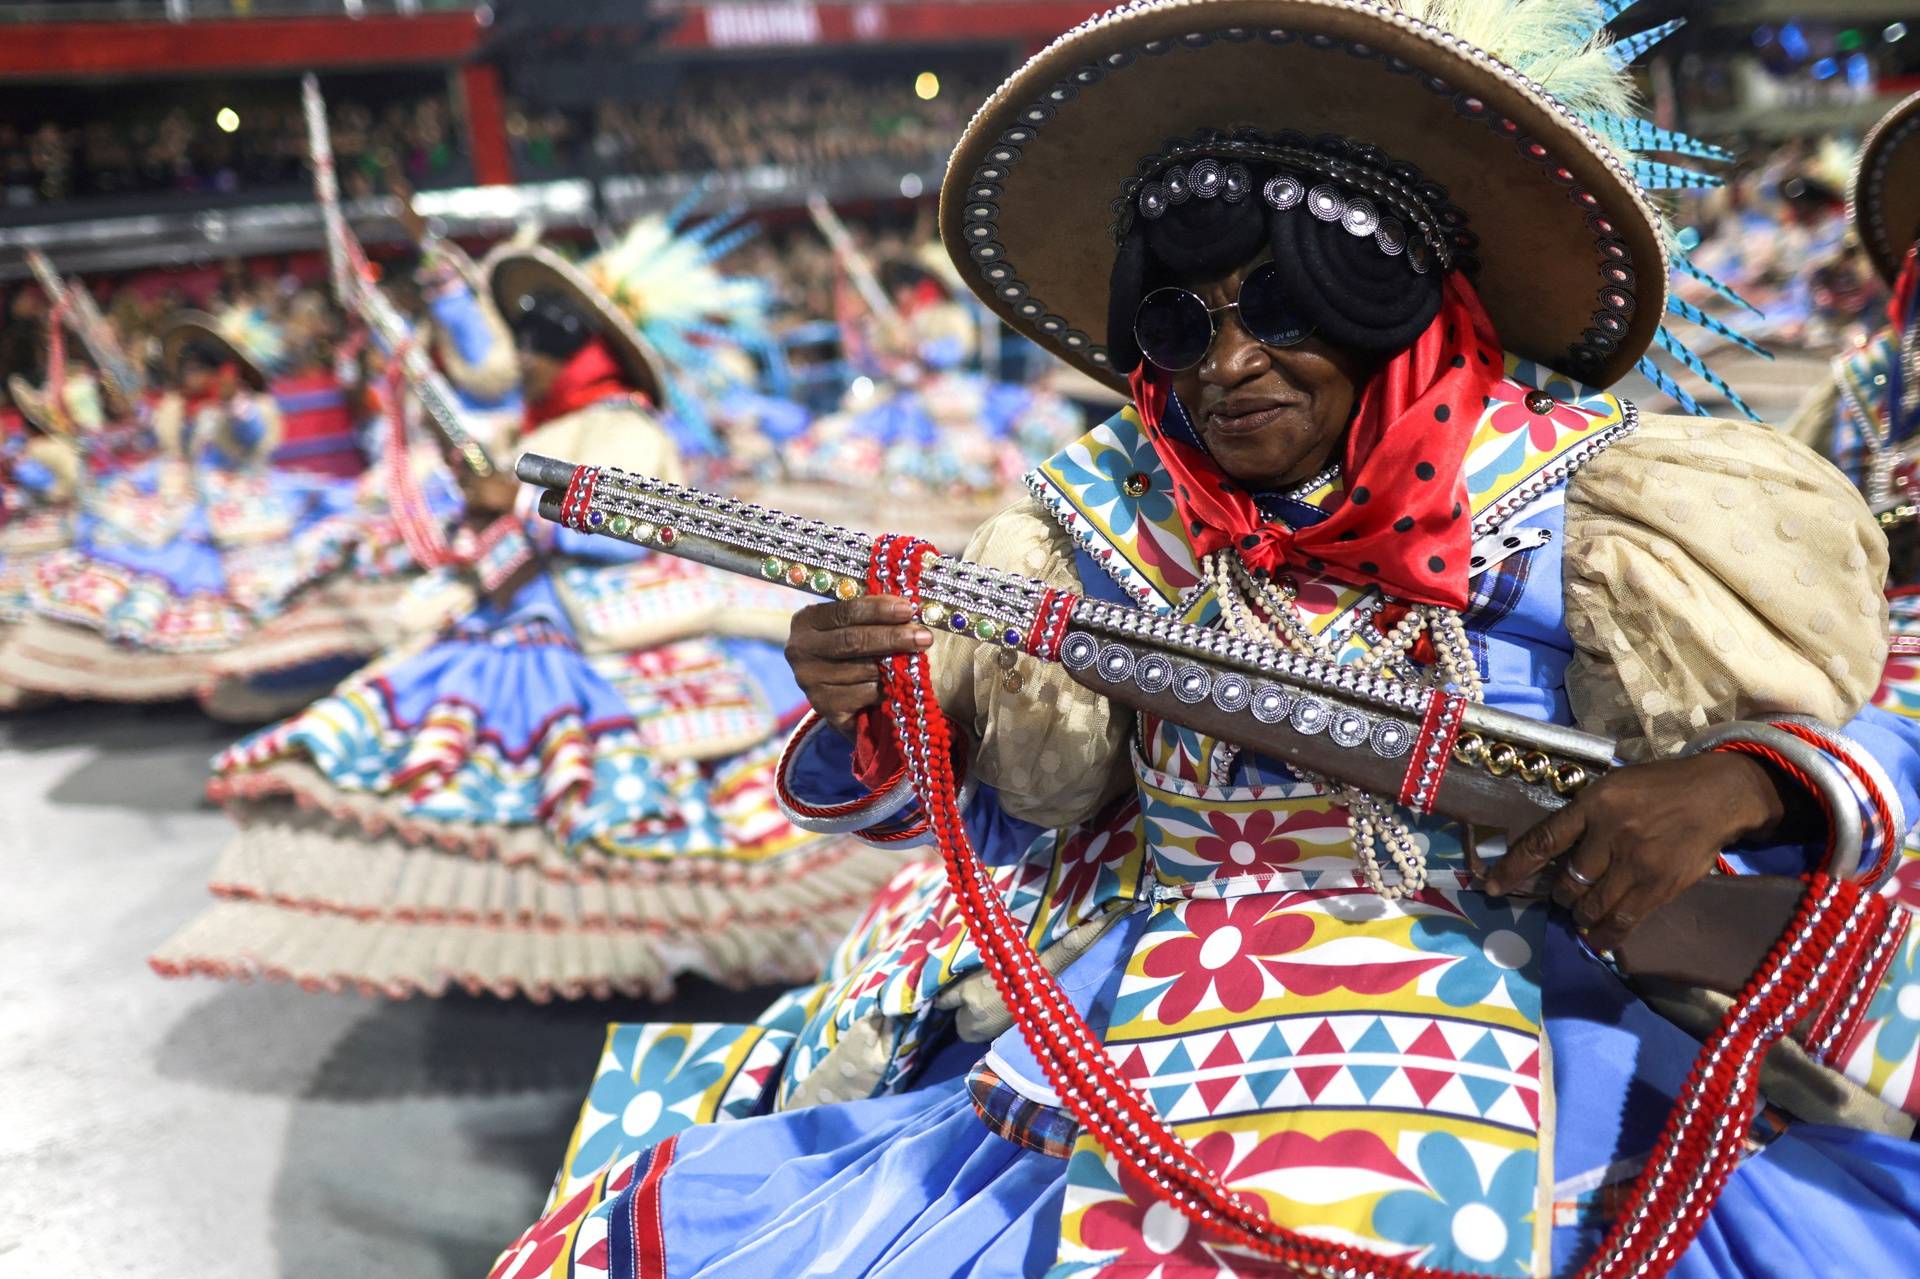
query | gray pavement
(152,1129)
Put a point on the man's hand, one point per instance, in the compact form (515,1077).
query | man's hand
(487,497)
(402,192)
(833,648)
(1638,837)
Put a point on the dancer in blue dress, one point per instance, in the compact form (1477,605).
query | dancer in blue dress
(78,429)
(182,556)
(566,789)
(351,578)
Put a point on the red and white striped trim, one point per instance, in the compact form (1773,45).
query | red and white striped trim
(1432,752)
(578,499)
(1050,621)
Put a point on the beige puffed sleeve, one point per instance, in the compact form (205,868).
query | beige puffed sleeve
(608,434)
(1717,571)
(1053,749)
(62,461)
(498,371)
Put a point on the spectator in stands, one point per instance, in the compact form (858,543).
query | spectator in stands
(51,162)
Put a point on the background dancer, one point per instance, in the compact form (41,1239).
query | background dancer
(566,791)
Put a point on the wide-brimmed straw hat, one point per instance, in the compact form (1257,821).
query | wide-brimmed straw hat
(514,272)
(1544,192)
(1883,200)
(243,340)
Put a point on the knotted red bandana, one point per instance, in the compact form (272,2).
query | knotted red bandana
(226,380)
(592,375)
(1403,523)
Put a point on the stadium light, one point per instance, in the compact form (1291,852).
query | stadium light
(926,86)
(227,118)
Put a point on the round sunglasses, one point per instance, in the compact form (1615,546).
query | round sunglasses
(1174,328)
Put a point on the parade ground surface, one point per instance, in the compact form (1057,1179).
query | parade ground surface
(159,1129)
(225,1131)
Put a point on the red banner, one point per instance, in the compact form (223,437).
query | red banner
(762,24)
(62,49)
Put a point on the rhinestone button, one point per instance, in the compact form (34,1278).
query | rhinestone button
(1137,484)
(1541,402)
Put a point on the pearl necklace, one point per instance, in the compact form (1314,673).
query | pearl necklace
(1312,484)
(1373,825)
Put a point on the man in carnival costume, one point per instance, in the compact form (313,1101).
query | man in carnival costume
(1365,271)
(1866,417)
(923,433)
(349,578)
(567,791)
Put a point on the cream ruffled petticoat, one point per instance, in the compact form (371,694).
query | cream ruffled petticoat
(26,538)
(501,812)
(256,597)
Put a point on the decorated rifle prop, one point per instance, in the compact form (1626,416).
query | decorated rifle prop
(1429,750)
(103,348)
(353,282)
(859,270)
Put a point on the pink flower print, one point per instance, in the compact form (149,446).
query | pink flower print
(1542,429)
(1220,953)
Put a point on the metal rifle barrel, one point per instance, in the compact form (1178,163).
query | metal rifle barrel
(546,473)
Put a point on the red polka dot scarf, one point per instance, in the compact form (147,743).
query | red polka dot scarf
(1403,523)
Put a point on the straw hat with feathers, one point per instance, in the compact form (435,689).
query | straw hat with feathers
(243,336)
(1508,126)
(657,298)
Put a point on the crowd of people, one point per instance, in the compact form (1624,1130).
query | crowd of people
(805,122)
(809,122)
(295,303)
(806,289)
(187,151)
(1776,232)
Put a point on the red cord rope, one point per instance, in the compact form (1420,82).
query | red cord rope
(1697,1151)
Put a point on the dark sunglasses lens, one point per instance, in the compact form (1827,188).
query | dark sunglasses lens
(1173,329)
(1265,311)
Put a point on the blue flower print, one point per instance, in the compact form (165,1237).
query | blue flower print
(1494,944)
(641,1096)
(1480,1229)
(1896,1005)
(1102,483)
